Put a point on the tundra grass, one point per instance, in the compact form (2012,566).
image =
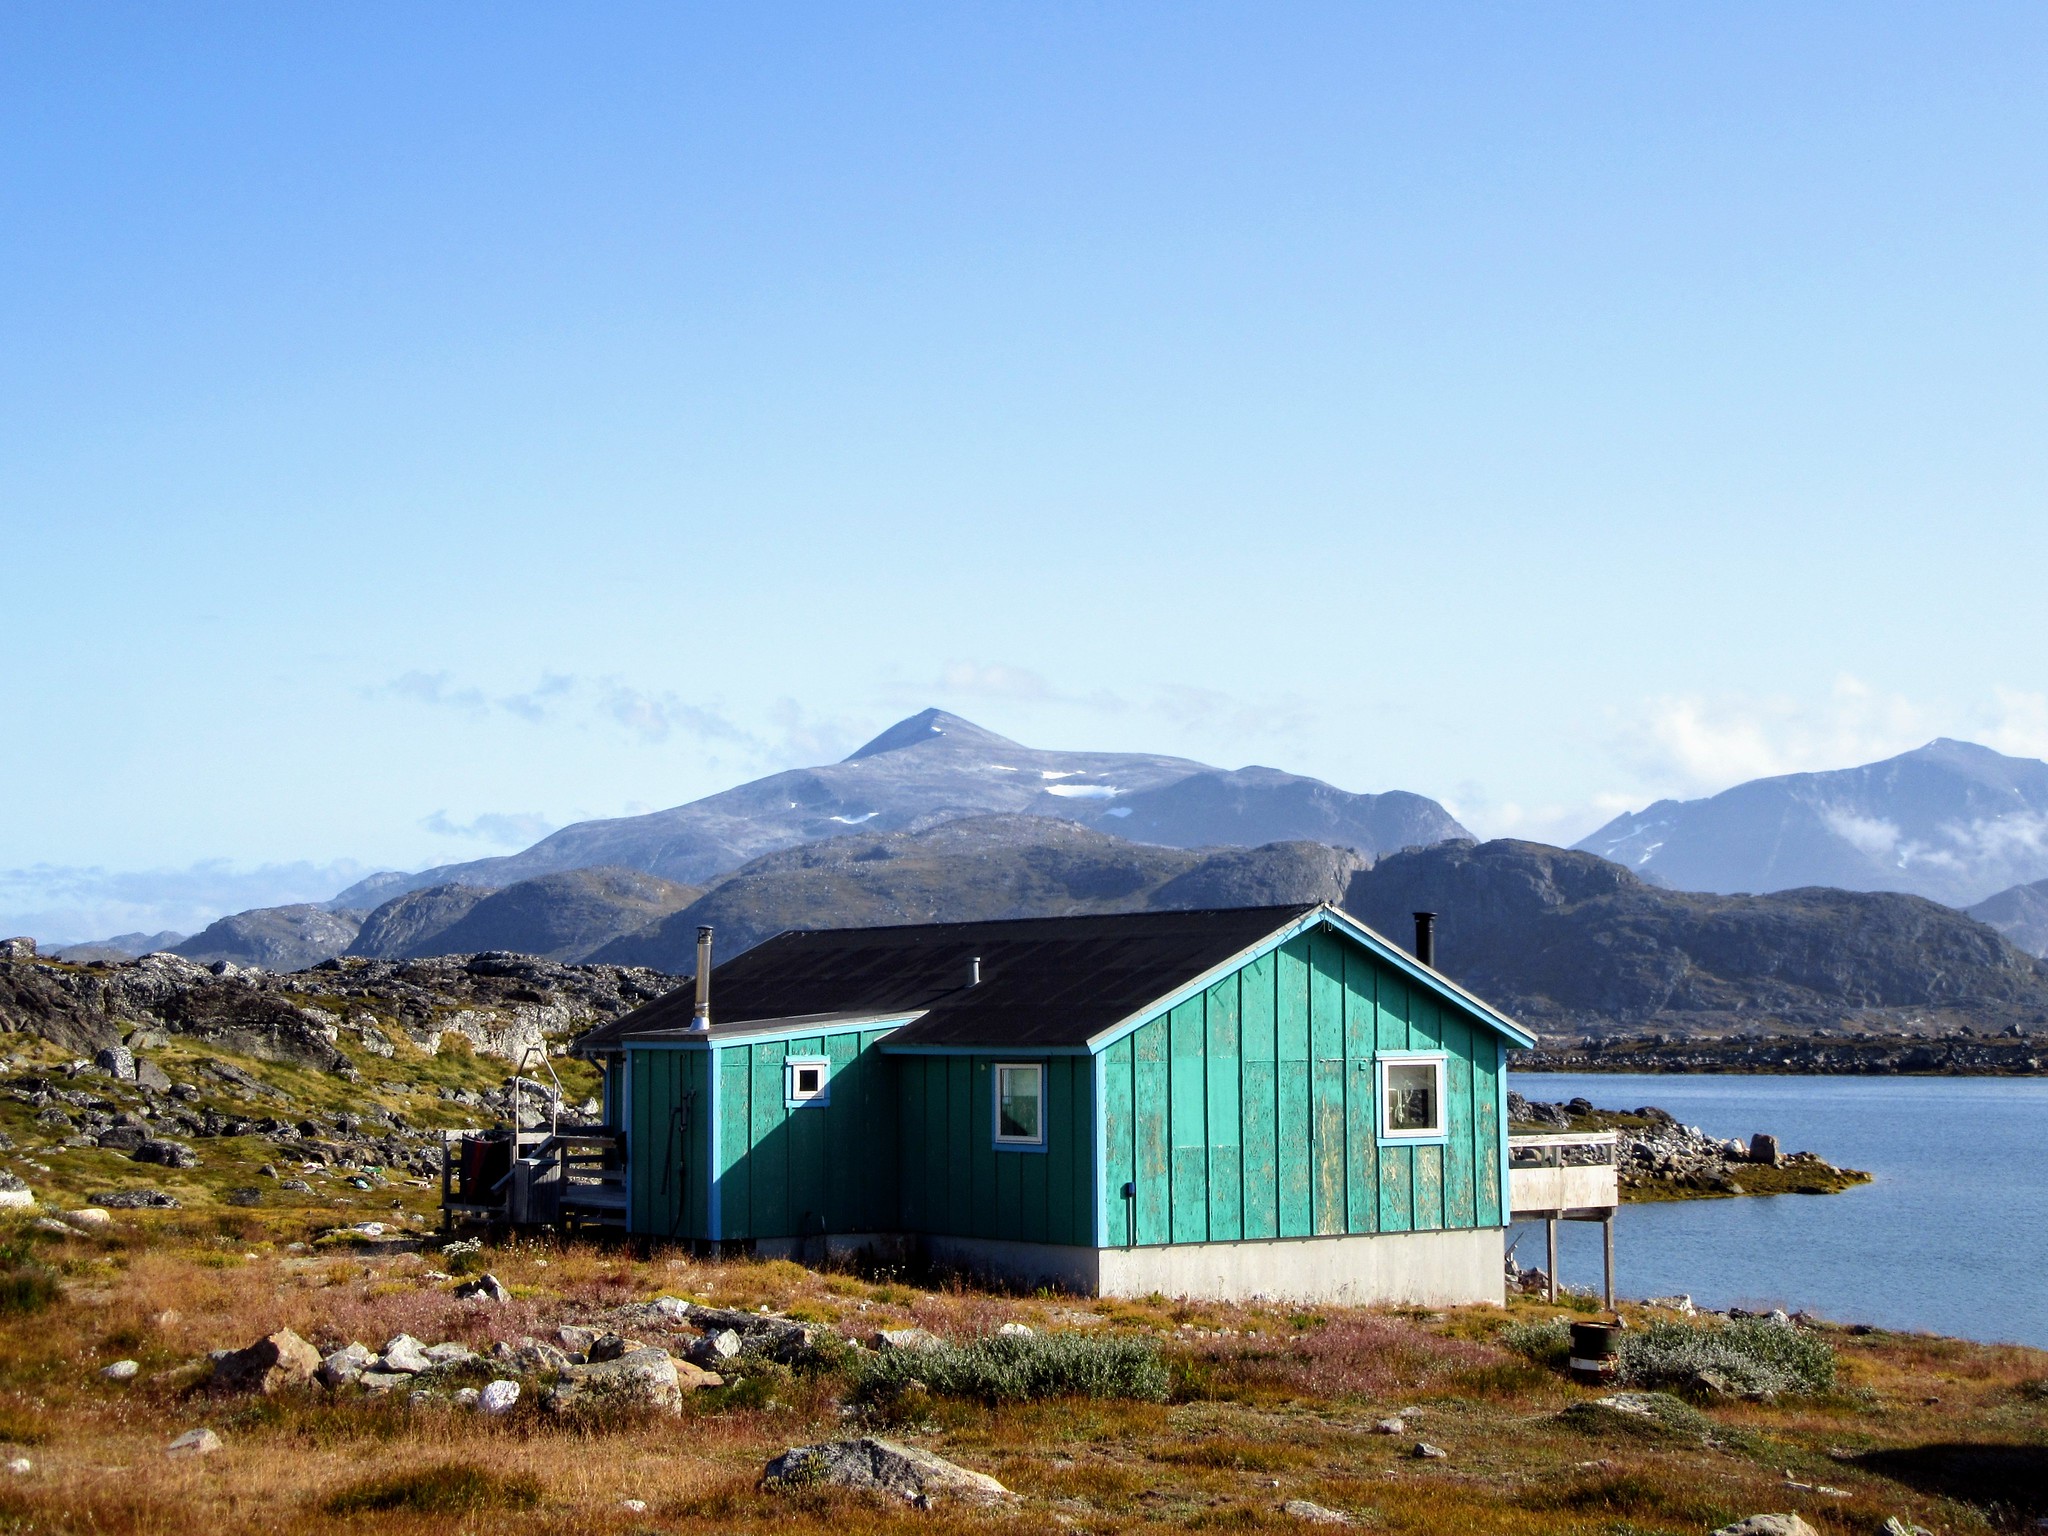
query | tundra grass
(1264,1404)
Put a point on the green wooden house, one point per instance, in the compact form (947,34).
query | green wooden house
(1268,1101)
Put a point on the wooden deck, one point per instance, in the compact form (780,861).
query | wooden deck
(1566,1177)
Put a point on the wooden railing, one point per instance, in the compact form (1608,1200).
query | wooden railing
(1556,1175)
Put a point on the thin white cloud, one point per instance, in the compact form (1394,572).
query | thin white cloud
(649,716)
(501,829)
(1688,745)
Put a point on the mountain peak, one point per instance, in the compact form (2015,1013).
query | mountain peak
(932,725)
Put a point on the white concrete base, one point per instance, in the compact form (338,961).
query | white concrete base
(1436,1269)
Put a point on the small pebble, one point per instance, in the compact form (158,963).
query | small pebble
(120,1370)
(1424,1451)
(1391,1427)
(635,1506)
(21,1466)
(194,1442)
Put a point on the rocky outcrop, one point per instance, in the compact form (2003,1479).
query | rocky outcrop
(500,1003)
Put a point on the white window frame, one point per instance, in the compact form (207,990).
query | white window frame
(995,1106)
(791,1098)
(1388,1136)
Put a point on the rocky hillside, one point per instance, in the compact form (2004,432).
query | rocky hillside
(977,869)
(936,767)
(1951,820)
(1568,941)
(499,1003)
(276,938)
(557,917)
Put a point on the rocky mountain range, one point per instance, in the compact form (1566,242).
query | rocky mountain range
(1951,820)
(936,767)
(1568,941)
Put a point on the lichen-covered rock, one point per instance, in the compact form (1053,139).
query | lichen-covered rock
(1768,1525)
(916,1476)
(194,1442)
(1314,1514)
(346,1364)
(271,1364)
(405,1355)
(640,1378)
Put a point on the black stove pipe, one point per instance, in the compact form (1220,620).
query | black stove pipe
(1425,938)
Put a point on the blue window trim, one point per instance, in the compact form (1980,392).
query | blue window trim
(1384,1059)
(995,1108)
(820,1100)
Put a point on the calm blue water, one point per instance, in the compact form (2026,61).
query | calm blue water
(1952,1237)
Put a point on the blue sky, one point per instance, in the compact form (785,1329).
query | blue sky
(424,426)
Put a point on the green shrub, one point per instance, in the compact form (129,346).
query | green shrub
(26,1284)
(452,1488)
(1547,1343)
(1002,1368)
(1750,1356)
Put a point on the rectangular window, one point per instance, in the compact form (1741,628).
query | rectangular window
(1411,1098)
(806,1080)
(1020,1105)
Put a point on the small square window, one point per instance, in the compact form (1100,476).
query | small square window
(806,1080)
(1411,1097)
(1020,1105)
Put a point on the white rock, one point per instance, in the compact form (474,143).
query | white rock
(1768,1525)
(90,1219)
(498,1397)
(444,1356)
(21,1466)
(1014,1331)
(120,1370)
(405,1354)
(1315,1514)
(634,1506)
(194,1442)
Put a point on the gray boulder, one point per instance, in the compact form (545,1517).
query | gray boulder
(405,1355)
(883,1466)
(1768,1525)
(534,1356)
(1314,1514)
(269,1365)
(14,1193)
(194,1442)
(117,1061)
(170,1154)
(447,1357)
(640,1378)
(715,1350)
(905,1338)
(484,1288)
(345,1365)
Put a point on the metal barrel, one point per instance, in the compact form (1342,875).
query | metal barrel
(1592,1358)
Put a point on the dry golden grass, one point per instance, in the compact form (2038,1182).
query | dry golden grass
(1270,1404)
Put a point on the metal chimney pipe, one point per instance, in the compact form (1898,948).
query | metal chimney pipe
(1425,938)
(974,972)
(700,1021)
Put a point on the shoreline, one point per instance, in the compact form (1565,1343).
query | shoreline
(1794,1056)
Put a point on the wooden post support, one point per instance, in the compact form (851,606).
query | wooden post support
(1607,1244)
(1550,1247)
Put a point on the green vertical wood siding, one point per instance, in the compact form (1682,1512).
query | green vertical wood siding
(956,1181)
(668,1113)
(1249,1110)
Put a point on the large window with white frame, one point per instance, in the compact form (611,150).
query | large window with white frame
(1411,1097)
(1020,1104)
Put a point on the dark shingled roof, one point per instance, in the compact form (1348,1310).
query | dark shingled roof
(1048,981)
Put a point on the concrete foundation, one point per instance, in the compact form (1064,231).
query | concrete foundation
(1427,1268)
